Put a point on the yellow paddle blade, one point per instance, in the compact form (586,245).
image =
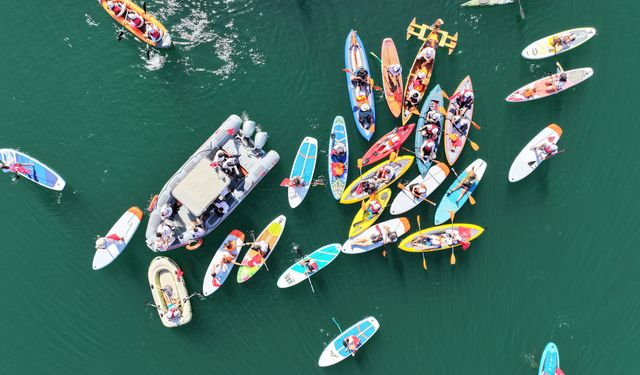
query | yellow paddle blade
(444,94)
(393,156)
(415,111)
(472,200)
(475,125)
(453,137)
(363,205)
(442,110)
(452,214)
(359,163)
(424,263)
(384,252)
(418,219)
(453,257)
(474,145)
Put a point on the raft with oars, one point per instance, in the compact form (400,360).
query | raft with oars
(165,278)
(455,137)
(355,192)
(253,261)
(545,86)
(419,242)
(363,218)
(164,40)
(434,101)
(545,47)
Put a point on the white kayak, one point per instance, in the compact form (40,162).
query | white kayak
(529,159)
(337,351)
(118,238)
(231,246)
(544,47)
(406,200)
(385,233)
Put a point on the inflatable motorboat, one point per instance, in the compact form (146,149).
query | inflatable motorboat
(209,186)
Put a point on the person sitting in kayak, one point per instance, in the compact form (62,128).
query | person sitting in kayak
(152,32)
(426,55)
(418,190)
(420,82)
(365,116)
(413,98)
(548,149)
(116,7)
(352,343)
(467,182)
(135,20)
(429,131)
(427,149)
(367,186)
(172,302)
(433,116)
(373,209)
(360,78)
(297,181)
(310,266)
(461,125)
(104,242)
(464,102)
(385,174)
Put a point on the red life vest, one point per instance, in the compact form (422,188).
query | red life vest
(117,8)
(154,33)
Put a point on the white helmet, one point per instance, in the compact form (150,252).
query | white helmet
(110,4)
(101,243)
(468,94)
(365,107)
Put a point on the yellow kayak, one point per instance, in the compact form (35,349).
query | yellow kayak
(365,217)
(441,237)
(357,190)
(139,23)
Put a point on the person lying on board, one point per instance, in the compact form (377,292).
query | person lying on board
(104,242)
(297,181)
(419,190)
(229,256)
(384,236)
(16,168)
(449,237)
(116,7)
(365,116)
(467,182)
(561,43)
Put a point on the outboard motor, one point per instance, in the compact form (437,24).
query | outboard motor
(260,139)
(248,127)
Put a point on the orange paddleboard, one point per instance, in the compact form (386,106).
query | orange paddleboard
(392,82)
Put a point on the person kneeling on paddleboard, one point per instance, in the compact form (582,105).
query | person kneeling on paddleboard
(297,181)
(352,343)
(465,184)
(373,208)
(365,116)
(360,78)
(116,7)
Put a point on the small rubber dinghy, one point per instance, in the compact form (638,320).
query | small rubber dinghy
(556,44)
(169,292)
(550,85)
(109,247)
(222,262)
(31,169)
(139,23)
(349,342)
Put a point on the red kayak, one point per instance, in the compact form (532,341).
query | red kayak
(388,143)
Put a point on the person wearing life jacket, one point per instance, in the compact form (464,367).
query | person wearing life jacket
(374,208)
(461,125)
(427,149)
(135,20)
(116,7)
(172,302)
(16,168)
(467,182)
(452,237)
(365,116)
(394,75)
(418,190)
(352,343)
(338,151)
(297,181)
(414,97)
(464,102)
(419,83)
(391,142)
(360,78)
(152,32)
(429,131)
(385,174)
(310,266)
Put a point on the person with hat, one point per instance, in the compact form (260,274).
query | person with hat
(433,116)
(373,209)
(467,182)
(413,98)
(310,266)
(360,78)
(394,75)
(461,125)
(116,7)
(418,190)
(172,302)
(420,82)
(104,242)
(16,168)
(426,55)
(464,102)
(365,116)
(352,343)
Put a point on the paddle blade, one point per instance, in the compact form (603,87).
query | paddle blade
(444,95)
(475,125)
(384,252)
(424,263)
(474,145)
(359,163)
(465,245)
(418,219)
(393,156)
(442,110)
(452,214)
(285,183)
(363,205)
(453,258)
(144,6)
(453,137)
(472,200)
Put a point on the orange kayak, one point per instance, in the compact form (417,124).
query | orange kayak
(408,109)
(148,30)
(391,78)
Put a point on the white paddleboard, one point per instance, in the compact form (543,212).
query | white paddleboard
(208,285)
(336,351)
(543,48)
(124,228)
(528,159)
(405,200)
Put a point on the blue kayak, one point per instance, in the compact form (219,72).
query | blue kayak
(434,96)
(355,57)
(303,166)
(32,169)
(450,202)
(550,360)
(298,273)
(338,136)
(336,351)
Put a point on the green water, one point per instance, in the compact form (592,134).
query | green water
(557,262)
